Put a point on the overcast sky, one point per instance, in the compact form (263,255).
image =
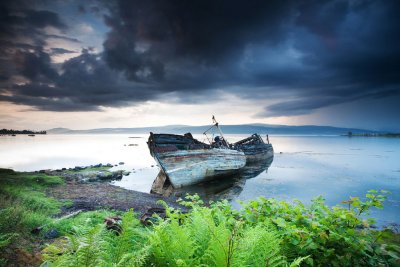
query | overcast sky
(89,64)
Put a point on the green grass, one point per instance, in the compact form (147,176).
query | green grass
(24,206)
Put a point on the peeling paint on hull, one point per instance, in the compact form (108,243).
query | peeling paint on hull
(254,148)
(258,152)
(186,167)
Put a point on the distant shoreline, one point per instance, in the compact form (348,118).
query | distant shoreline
(24,132)
(390,135)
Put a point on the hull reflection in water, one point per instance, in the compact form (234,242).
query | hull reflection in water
(228,187)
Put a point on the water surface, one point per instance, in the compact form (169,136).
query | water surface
(303,167)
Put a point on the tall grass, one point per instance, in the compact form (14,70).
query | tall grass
(23,204)
(23,207)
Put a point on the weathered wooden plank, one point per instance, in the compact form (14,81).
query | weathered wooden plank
(185,167)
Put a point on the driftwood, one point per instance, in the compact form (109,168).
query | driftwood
(70,215)
(147,217)
(113,223)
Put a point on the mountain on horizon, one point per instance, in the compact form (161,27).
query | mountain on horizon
(228,129)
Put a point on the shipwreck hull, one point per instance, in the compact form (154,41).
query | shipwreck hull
(258,152)
(254,148)
(228,187)
(187,167)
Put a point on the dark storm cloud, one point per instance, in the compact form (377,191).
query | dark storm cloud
(304,55)
(22,42)
(85,84)
(159,38)
(34,66)
(343,47)
(58,50)
(14,21)
(357,59)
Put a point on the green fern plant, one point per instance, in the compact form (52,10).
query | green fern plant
(96,246)
(126,247)
(266,232)
(213,237)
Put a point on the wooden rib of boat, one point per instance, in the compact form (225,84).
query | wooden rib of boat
(187,161)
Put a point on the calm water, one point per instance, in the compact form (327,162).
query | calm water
(303,166)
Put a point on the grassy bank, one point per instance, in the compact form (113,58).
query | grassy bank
(23,207)
(265,232)
(27,215)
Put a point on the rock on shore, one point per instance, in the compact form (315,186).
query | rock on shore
(84,174)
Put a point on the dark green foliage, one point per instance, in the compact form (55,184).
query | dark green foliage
(336,236)
(213,237)
(202,237)
(266,232)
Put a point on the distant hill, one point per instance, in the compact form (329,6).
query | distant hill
(228,129)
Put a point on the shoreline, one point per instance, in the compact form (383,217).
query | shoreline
(41,207)
(89,189)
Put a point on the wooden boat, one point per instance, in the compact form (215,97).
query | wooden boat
(255,148)
(224,188)
(186,161)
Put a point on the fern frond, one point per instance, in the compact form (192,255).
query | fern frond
(258,246)
(298,261)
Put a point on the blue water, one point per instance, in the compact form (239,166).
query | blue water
(303,167)
(334,167)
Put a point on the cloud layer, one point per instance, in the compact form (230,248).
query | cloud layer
(302,55)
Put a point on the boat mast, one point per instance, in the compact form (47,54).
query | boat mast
(219,129)
(215,124)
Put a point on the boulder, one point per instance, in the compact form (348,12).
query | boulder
(117,175)
(105,175)
(78,168)
(51,234)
